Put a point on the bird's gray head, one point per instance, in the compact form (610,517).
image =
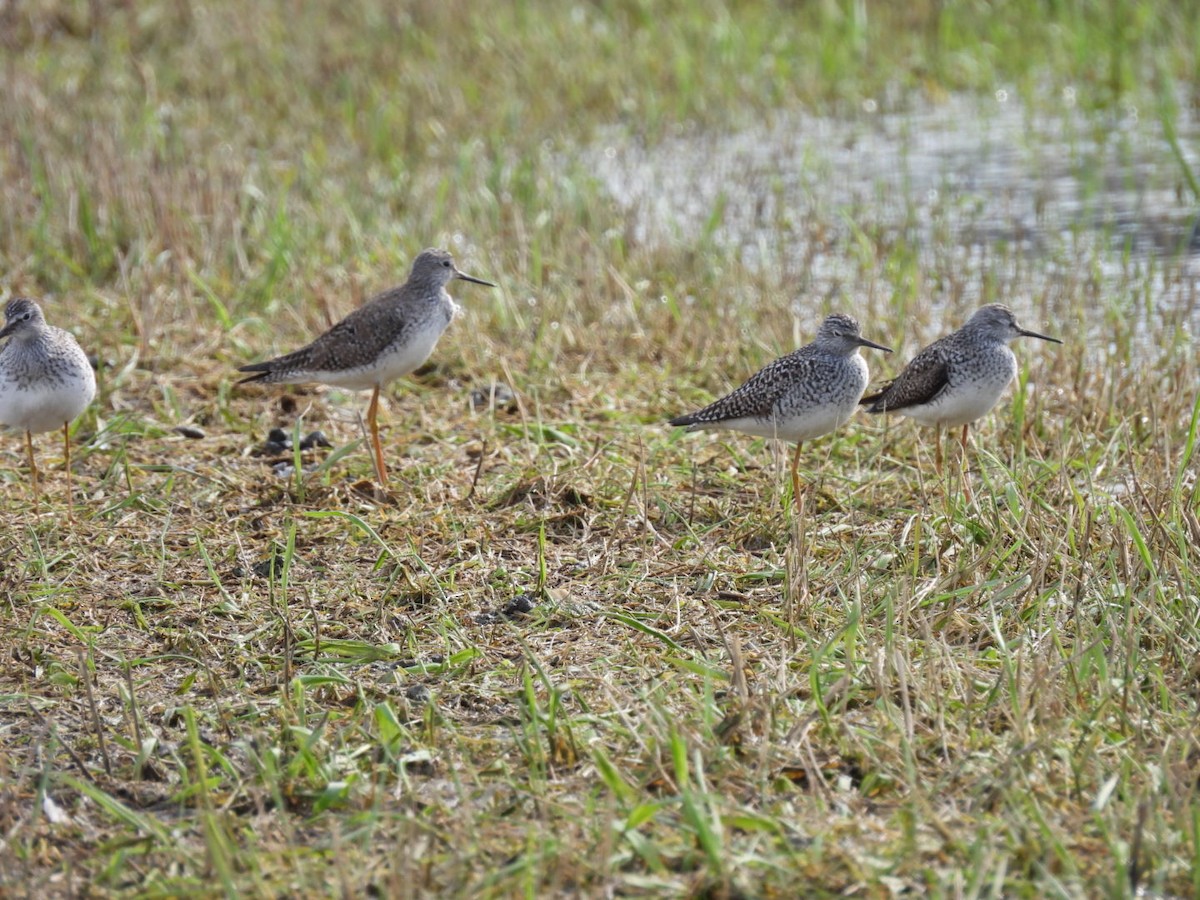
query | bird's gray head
(437,267)
(21,316)
(998,321)
(840,333)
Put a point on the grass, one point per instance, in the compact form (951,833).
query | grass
(573,651)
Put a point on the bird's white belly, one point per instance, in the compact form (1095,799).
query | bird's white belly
(798,415)
(399,359)
(961,404)
(45,407)
(804,426)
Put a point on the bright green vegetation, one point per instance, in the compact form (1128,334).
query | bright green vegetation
(222,681)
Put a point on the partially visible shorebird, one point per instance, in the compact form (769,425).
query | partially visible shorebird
(388,336)
(957,378)
(45,380)
(798,397)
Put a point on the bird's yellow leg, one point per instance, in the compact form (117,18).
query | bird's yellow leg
(33,473)
(373,421)
(67,463)
(796,474)
(966,466)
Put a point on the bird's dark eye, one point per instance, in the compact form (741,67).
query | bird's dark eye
(446,263)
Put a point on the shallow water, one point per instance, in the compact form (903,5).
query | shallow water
(999,201)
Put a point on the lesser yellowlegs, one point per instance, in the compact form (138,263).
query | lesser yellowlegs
(389,336)
(45,380)
(958,378)
(798,397)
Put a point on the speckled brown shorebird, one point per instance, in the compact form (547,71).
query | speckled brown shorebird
(798,397)
(957,378)
(389,336)
(45,380)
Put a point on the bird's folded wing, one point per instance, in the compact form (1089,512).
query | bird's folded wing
(759,394)
(922,380)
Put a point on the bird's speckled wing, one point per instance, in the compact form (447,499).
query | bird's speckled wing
(758,396)
(357,340)
(922,380)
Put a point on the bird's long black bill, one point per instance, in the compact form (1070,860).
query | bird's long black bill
(1044,337)
(465,277)
(874,346)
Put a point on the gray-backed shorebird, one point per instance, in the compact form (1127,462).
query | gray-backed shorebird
(389,336)
(45,380)
(798,397)
(958,378)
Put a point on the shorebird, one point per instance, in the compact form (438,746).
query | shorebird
(388,336)
(957,378)
(45,380)
(798,397)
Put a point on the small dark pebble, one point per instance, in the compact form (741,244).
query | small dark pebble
(417,693)
(497,394)
(518,606)
(315,439)
(279,442)
(271,566)
(189,431)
